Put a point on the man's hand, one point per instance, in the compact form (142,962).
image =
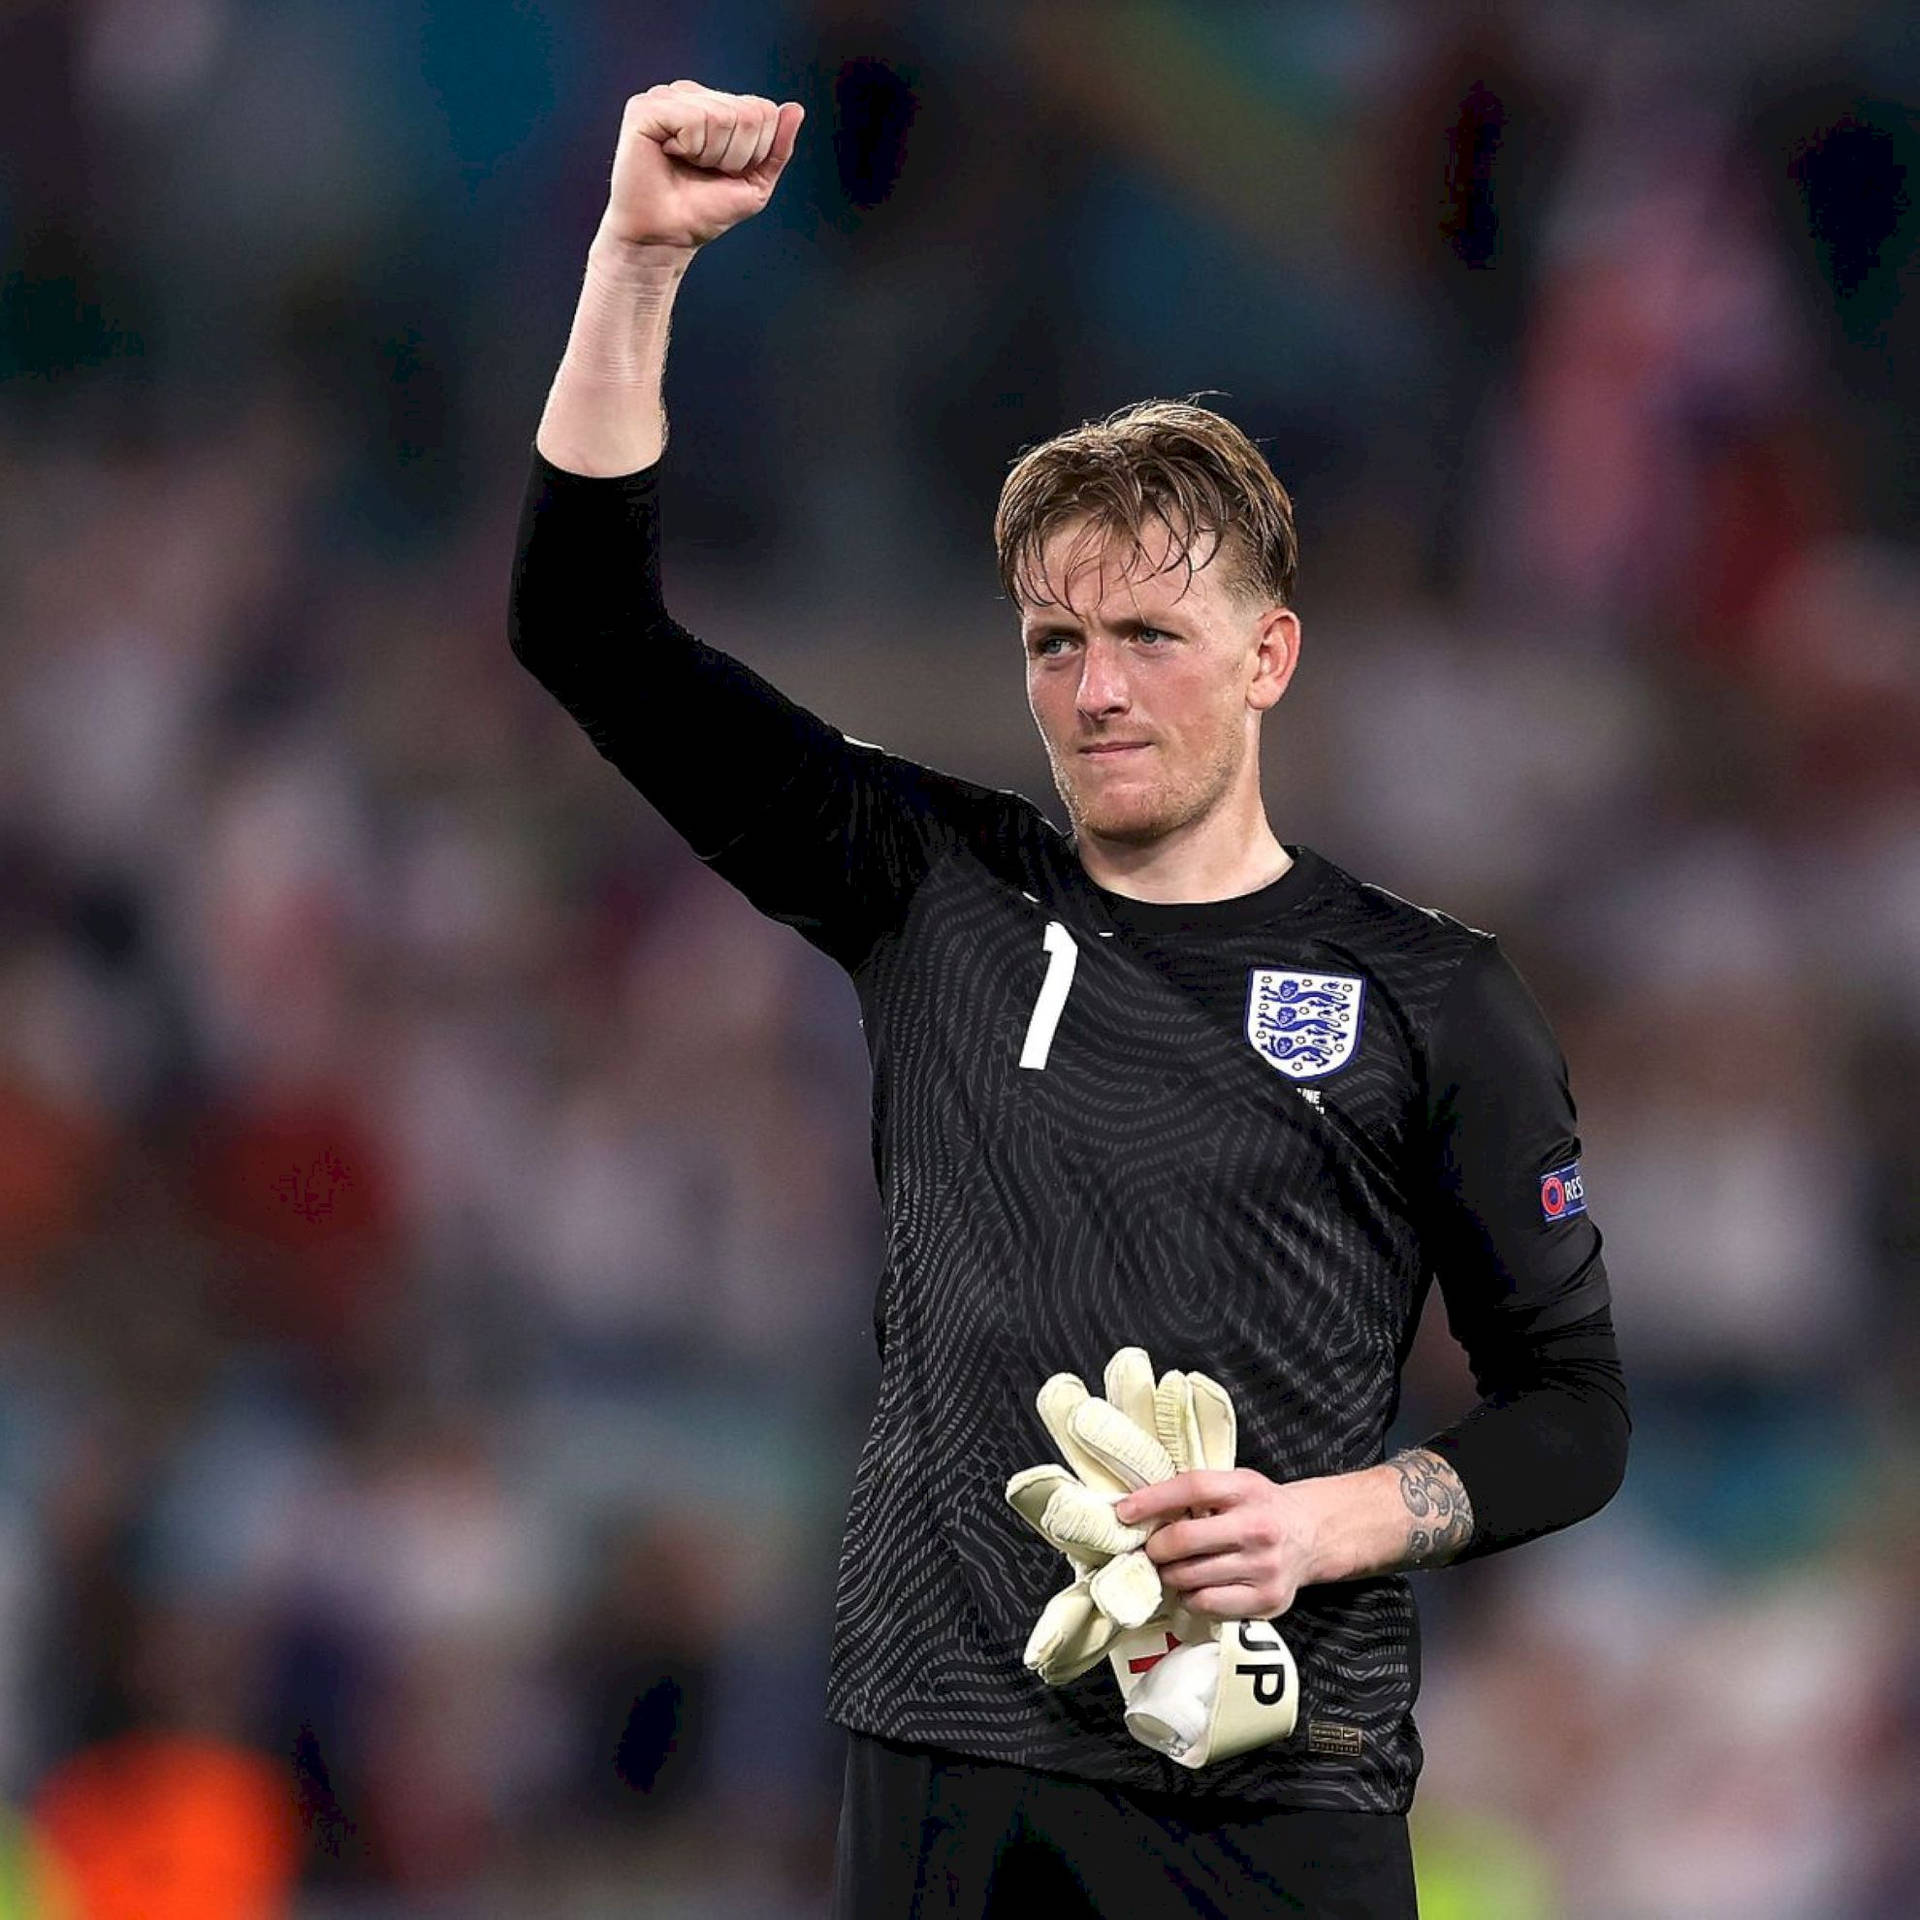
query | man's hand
(693,162)
(1238,1546)
(1250,1547)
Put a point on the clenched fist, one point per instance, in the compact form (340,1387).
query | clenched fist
(692,162)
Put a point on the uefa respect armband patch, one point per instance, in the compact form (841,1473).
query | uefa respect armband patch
(1562,1193)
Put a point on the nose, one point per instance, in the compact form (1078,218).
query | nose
(1103,681)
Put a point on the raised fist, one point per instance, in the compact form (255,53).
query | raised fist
(692,162)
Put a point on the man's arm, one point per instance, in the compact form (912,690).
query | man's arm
(1253,1543)
(1545,1447)
(828,835)
(690,163)
(710,743)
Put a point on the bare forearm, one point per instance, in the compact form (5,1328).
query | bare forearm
(1238,1546)
(605,414)
(1410,1512)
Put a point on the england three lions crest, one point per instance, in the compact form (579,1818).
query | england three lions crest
(1305,1024)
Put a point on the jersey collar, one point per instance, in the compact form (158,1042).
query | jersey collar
(1280,896)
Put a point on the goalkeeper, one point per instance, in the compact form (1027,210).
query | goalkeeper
(1161,1092)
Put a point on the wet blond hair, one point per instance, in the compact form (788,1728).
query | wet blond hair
(1190,466)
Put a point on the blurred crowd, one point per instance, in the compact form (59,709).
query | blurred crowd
(437,1236)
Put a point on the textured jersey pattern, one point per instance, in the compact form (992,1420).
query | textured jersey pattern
(1159,1183)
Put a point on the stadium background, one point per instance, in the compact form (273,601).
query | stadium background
(436,1237)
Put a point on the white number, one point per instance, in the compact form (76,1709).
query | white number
(1062,957)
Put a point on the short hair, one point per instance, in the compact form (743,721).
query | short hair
(1192,467)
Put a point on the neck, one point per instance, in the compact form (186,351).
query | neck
(1212,859)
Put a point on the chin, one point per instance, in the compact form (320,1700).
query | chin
(1124,829)
(1136,823)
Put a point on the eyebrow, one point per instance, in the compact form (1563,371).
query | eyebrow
(1130,624)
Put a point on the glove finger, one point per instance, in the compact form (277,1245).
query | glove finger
(1071,1635)
(1028,1494)
(1128,1590)
(1174,1422)
(1057,1401)
(1059,1394)
(1029,1491)
(1129,1385)
(1077,1521)
(1125,1452)
(1214,1422)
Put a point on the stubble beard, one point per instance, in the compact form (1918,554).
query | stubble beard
(1145,817)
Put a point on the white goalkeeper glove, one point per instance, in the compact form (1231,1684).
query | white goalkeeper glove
(1196,1689)
(1199,1689)
(1112,1449)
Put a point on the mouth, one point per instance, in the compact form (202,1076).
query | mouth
(1104,747)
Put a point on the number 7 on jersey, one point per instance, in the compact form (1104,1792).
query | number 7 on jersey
(1062,957)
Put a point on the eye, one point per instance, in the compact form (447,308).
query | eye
(1153,633)
(1048,643)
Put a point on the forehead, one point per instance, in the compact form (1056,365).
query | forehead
(1081,568)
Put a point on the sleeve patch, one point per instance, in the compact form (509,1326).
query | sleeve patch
(1562,1193)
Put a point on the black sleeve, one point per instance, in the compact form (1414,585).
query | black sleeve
(1518,1258)
(827,834)
(1547,1445)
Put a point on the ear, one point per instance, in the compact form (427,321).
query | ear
(1276,654)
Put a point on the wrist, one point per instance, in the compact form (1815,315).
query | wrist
(1354,1527)
(637,264)
(1324,1543)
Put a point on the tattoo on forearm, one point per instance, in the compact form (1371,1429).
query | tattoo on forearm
(1440,1517)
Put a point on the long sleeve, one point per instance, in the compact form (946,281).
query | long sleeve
(1547,1444)
(826,834)
(1518,1257)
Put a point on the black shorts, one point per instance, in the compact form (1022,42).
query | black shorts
(926,1833)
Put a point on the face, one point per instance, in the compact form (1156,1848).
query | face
(1148,691)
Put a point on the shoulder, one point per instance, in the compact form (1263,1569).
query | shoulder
(950,796)
(1374,917)
(1426,969)
(1471,1010)
(958,815)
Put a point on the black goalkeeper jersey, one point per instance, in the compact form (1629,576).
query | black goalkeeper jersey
(1245,1135)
